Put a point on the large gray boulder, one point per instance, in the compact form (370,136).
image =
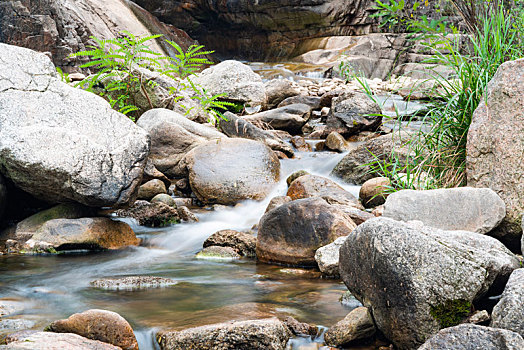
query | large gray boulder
(172,137)
(353,113)
(470,209)
(236,80)
(416,279)
(31,340)
(227,171)
(473,337)
(270,334)
(496,144)
(289,118)
(62,144)
(509,310)
(291,233)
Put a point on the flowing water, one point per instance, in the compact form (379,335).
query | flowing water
(206,292)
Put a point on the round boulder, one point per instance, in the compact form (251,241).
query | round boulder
(150,189)
(372,192)
(231,170)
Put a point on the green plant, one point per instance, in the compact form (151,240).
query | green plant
(63,76)
(451,312)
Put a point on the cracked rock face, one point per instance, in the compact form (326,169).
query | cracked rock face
(411,276)
(63,144)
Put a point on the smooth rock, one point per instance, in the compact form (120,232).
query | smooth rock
(150,189)
(236,80)
(311,101)
(336,142)
(243,243)
(472,337)
(356,325)
(232,170)
(106,326)
(151,214)
(265,334)
(64,144)
(277,90)
(172,136)
(32,340)
(308,186)
(495,147)
(164,198)
(291,233)
(132,283)
(508,312)
(420,277)
(289,118)
(277,202)
(353,113)
(327,258)
(373,192)
(470,209)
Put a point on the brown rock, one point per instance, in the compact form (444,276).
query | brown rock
(151,214)
(356,325)
(150,189)
(151,173)
(373,192)
(277,201)
(308,186)
(358,216)
(299,328)
(295,176)
(277,90)
(106,326)
(186,215)
(336,142)
(300,144)
(243,243)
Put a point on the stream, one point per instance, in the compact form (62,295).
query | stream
(54,287)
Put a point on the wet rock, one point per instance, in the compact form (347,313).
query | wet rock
(353,113)
(85,233)
(295,176)
(133,283)
(252,172)
(327,258)
(64,144)
(186,215)
(106,326)
(373,192)
(10,325)
(494,150)
(172,136)
(243,243)
(150,214)
(32,340)
(508,312)
(336,142)
(152,173)
(277,90)
(320,146)
(236,80)
(150,189)
(238,127)
(300,144)
(265,334)
(308,186)
(164,198)
(8,307)
(183,185)
(299,328)
(468,336)
(420,277)
(277,202)
(356,325)
(218,253)
(311,101)
(291,233)
(470,209)
(288,118)
(354,168)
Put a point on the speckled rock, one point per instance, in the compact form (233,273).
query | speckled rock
(186,215)
(420,277)
(295,176)
(353,113)
(31,340)
(356,325)
(277,201)
(289,118)
(299,328)
(277,90)
(243,243)
(133,283)
(150,189)
(151,214)
(106,326)
(308,186)
(327,258)
(164,198)
(218,253)
(336,142)
(508,312)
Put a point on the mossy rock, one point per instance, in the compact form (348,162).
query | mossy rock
(451,313)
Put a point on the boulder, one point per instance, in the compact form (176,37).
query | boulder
(218,253)
(299,328)
(508,312)
(469,337)
(327,258)
(84,233)
(354,167)
(300,144)
(291,233)
(150,189)
(152,173)
(470,209)
(495,147)
(336,142)
(64,144)
(353,113)
(311,101)
(132,283)
(164,198)
(295,176)
(151,214)
(289,118)
(358,216)
(32,340)
(265,334)
(234,126)
(243,243)
(308,186)
(186,215)
(277,90)
(416,279)
(277,202)
(236,80)
(106,326)
(356,325)
(172,137)
(231,170)
(373,192)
